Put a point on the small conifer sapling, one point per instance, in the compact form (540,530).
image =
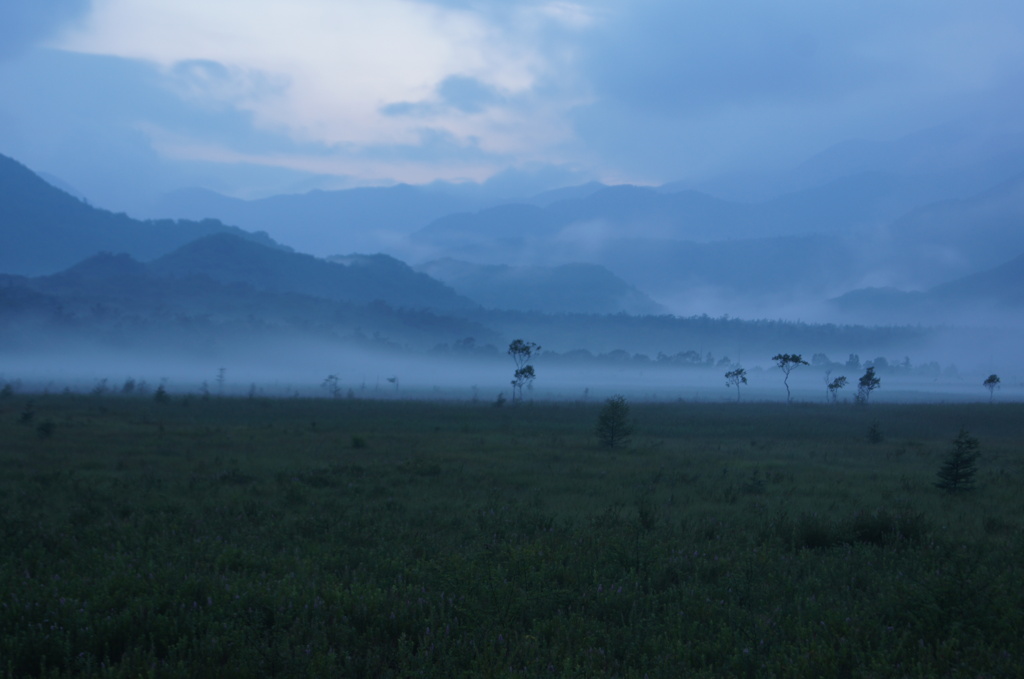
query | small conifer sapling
(613,425)
(957,472)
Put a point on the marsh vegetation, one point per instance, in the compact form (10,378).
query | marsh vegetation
(239,537)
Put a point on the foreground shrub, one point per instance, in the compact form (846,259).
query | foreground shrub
(957,472)
(613,426)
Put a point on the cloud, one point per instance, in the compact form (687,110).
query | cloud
(346,73)
(467,95)
(23,23)
(699,56)
(417,165)
(712,85)
(455,93)
(96,122)
(625,90)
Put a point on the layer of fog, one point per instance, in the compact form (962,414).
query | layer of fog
(305,369)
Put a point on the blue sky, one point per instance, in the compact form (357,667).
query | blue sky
(131,97)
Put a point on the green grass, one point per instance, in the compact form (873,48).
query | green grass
(307,538)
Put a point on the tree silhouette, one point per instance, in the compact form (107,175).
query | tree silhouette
(835,385)
(957,472)
(734,378)
(521,353)
(991,382)
(613,426)
(788,363)
(333,386)
(867,384)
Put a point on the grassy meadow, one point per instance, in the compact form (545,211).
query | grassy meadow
(234,537)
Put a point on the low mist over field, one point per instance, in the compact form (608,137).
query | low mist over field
(276,365)
(391,195)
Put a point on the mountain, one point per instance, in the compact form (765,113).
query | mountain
(862,200)
(358,278)
(695,253)
(1000,286)
(502,232)
(955,160)
(115,303)
(954,238)
(691,252)
(566,193)
(380,218)
(110,312)
(59,183)
(496,233)
(993,296)
(319,222)
(103,275)
(587,219)
(568,288)
(44,229)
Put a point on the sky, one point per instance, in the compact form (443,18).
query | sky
(123,99)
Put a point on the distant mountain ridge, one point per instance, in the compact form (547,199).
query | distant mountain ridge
(578,288)
(957,237)
(947,161)
(113,302)
(324,222)
(44,230)
(589,248)
(698,254)
(856,201)
(229,259)
(997,293)
(43,222)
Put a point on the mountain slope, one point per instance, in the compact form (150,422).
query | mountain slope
(993,296)
(953,159)
(1002,285)
(569,288)
(358,279)
(114,303)
(954,238)
(43,229)
(324,222)
(861,200)
(117,308)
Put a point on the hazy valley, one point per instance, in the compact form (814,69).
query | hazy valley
(622,286)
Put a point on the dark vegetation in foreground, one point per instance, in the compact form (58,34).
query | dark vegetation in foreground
(252,537)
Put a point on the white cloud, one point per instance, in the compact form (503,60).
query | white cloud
(691,89)
(370,170)
(24,23)
(570,14)
(637,90)
(323,71)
